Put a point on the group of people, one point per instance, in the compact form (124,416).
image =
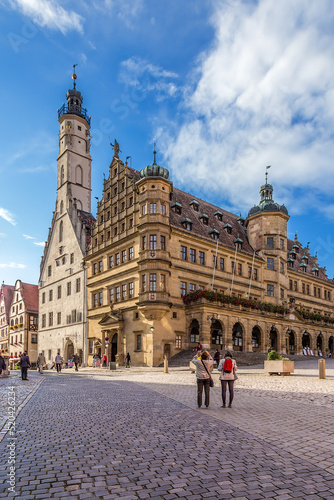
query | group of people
(204,366)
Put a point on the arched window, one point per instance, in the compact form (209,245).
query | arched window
(61,207)
(61,231)
(79,205)
(62,175)
(78,175)
(21,319)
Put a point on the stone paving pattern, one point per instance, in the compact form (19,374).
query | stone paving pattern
(138,435)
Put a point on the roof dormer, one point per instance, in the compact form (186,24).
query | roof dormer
(187,224)
(177,207)
(228,227)
(204,218)
(214,233)
(194,204)
(218,215)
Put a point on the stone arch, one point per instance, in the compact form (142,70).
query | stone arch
(194,331)
(69,351)
(291,342)
(237,337)
(320,342)
(256,339)
(79,205)
(78,175)
(216,334)
(273,337)
(306,339)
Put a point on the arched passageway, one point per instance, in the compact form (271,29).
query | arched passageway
(216,335)
(237,337)
(194,331)
(256,339)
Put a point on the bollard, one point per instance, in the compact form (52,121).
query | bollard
(322,368)
(166,365)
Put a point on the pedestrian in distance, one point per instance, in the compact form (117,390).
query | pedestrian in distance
(59,362)
(24,364)
(2,364)
(204,366)
(216,357)
(41,362)
(104,361)
(76,361)
(128,360)
(228,368)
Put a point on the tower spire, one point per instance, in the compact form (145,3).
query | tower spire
(267,173)
(154,155)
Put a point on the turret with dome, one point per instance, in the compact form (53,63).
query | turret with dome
(154,170)
(267,204)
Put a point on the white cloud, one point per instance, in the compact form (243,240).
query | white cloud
(125,10)
(13,265)
(147,77)
(49,14)
(39,243)
(27,237)
(7,215)
(263,94)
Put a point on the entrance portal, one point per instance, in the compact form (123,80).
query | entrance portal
(306,340)
(273,338)
(216,334)
(331,345)
(167,350)
(319,342)
(69,351)
(113,348)
(194,331)
(256,339)
(237,337)
(291,342)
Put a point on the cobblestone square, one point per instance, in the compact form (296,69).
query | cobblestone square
(137,434)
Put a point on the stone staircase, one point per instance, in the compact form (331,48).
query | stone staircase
(182,358)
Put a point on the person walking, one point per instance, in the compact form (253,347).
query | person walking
(104,361)
(216,357)
(128,360)
(228,368)
(76,361)
(59,362)
(40,362)
(204,366)
(24,364)
(2,364)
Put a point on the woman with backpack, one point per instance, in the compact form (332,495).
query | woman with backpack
(228,368)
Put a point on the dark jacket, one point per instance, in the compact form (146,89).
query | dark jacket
(76,359)
(25,362)
(2,364)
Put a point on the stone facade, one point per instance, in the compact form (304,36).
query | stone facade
(6,296)
(153,244)
(62,285)
(23,320)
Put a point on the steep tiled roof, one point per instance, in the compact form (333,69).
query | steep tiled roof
(30,296)
(88,220)
(203,230)
(312,261)
(7,291)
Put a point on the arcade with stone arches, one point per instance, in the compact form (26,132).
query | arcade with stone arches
(243,334)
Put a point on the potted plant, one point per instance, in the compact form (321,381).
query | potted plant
(277,364)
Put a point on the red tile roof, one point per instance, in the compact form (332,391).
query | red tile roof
(30,297)
(7,292)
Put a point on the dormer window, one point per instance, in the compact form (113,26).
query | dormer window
(315,271)
(303,267)
(241,220)
(290,262)
(305,259)
(187,224)
(228,228)
(218,215)
(214,233)
(292,254)
(238,242)
(295,248)
(177,208)
(194,204)
(204,218)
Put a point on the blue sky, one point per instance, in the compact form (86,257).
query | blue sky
(224,88)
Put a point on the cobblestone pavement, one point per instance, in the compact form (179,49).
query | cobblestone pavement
(138,435)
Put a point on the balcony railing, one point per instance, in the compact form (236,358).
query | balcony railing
(75,110)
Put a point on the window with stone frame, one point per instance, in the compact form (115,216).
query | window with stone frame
(162,242)
(131,289)
(270,290)
(51,319)
(153,282)
(94,300)
(183,288)
(118,293)
(239,269)
(153,241)
(270,263)
(43,320)
(183,252)
(111,295)
(111,261)
(162,282)
(59,318)
(153,208)
(124,291)
(43,298)
(163,209)
(138,342)
(77,285)
(143,283)
(95,268)
(117,259)
(130,253)
(178,342)
(143,209)
(59,292)
(192,255)
(143,243)
(201,258)
(123,256)
(68,288)
(270,242)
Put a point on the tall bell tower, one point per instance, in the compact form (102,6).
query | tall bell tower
(74,160)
